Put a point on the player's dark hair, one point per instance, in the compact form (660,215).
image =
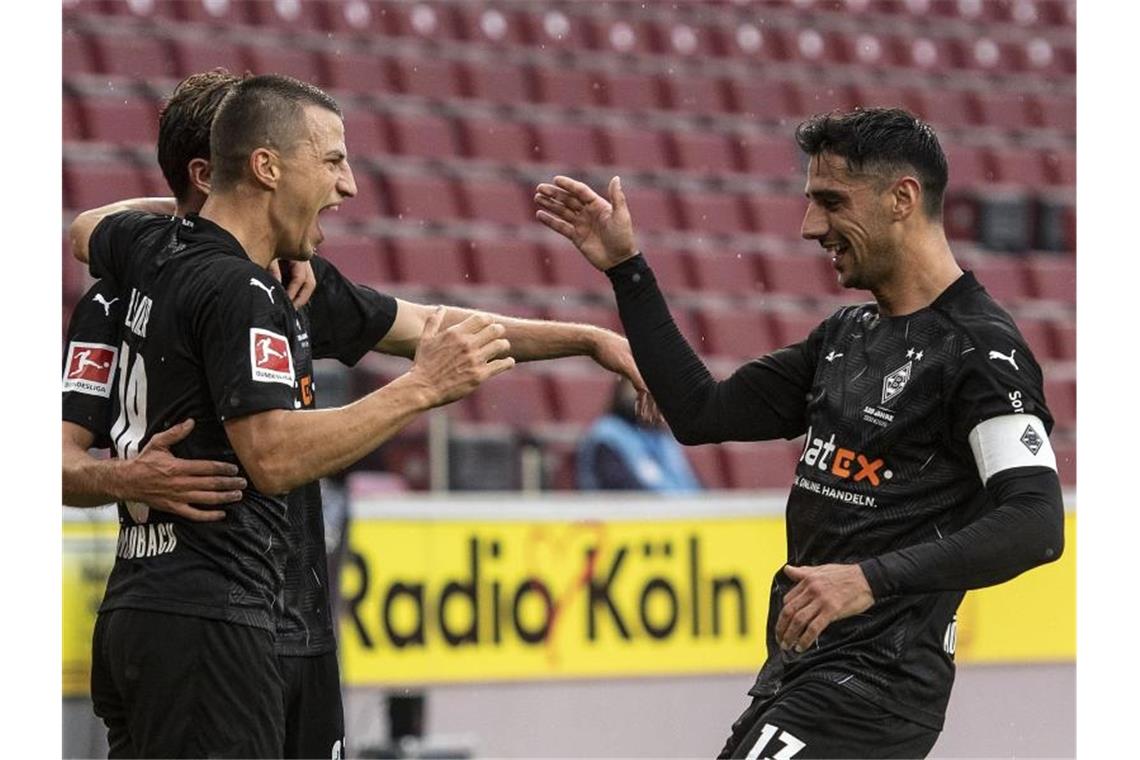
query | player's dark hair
(260,111)
(883,142)
(184,125)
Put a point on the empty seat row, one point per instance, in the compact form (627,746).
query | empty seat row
(743,38)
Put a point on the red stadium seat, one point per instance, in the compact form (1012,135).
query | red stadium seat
(154,182)
(551,28)
(1018,166)
(754,42)
(815,99)
(498,140)
(790,327)
(291,61)
(706,152)
(90,185)
(868,94)
(572,88)
(627,35)
(708,465)
(364,132)
(369,201)
(568,145)
(770,464)
(492,25)
(290,15)
(670,269)
(122,119)
(1065,340)
(634,148)
(1061,398)
(74,128)
(1061,167)
(360,258)
(355,17)
(359,72)
(780,215)
(631,91)
(427,76)
(581,397)
(764,98)
(203,54)
(75,276)
(499,82)
(967,166)
(716,213)
(734,332)
(1006,110)
(222,14)
(1053,278)
(1038,334)
(425,135)
(133,55)
(422,20)
(808,275)
(1065,448)
(653,209)
(507,262)
(419,197)
(517,398)
(76,54)
(770,157)
(499,201)
(432,262)
(697,41)
(944,108)
(1003,277)
(735,274)
(1054,111)
(696,94)
(570,272)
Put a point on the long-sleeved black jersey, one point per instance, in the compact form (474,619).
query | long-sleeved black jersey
(918,432)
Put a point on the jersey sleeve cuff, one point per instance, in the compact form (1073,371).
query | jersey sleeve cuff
(876,575)
(631,274)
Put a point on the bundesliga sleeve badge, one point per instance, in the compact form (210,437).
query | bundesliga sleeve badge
(90,367)
(269,357)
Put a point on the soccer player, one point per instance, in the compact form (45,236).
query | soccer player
(341,314)
(926,469)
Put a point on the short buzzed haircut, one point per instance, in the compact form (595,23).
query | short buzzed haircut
(882,142)
(259,112)
(184,125)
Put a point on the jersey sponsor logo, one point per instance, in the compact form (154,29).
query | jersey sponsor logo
(826,456)
(1031,440)
(994,355)
(258,283)
(1016,402)
(269,357)
(98,298)
(838,494)
(89,368)
(139,541)
(895,382)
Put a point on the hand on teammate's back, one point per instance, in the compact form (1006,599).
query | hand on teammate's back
(601,229)
(183,487)
(455,361)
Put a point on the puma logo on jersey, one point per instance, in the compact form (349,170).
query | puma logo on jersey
(1004,358)
(105,303)
(832,356)
(258,283)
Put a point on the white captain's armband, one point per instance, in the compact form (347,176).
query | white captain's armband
(1012,440)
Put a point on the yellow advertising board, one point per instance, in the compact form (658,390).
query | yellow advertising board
(535,590)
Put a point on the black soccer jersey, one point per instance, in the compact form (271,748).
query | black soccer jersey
(91,357)
(209,335)
(890,408)
(345,321)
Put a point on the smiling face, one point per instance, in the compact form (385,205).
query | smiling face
(315,176)
(850,215)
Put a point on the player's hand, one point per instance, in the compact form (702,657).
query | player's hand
(181,486)
(455,361)
(601,229)
(822,595)
(298,279)
(612,352)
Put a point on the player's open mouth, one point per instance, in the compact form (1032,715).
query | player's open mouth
(320,230)
(837,251)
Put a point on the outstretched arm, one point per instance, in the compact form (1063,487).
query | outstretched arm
(282,449)
(763,399)
(83,225)
(155,477)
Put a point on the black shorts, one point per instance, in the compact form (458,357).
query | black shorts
(818,719)
(314,715)
(171,685)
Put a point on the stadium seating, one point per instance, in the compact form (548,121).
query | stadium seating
(455,110)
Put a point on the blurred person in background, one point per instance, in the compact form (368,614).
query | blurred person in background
(623,452)
(926,470)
